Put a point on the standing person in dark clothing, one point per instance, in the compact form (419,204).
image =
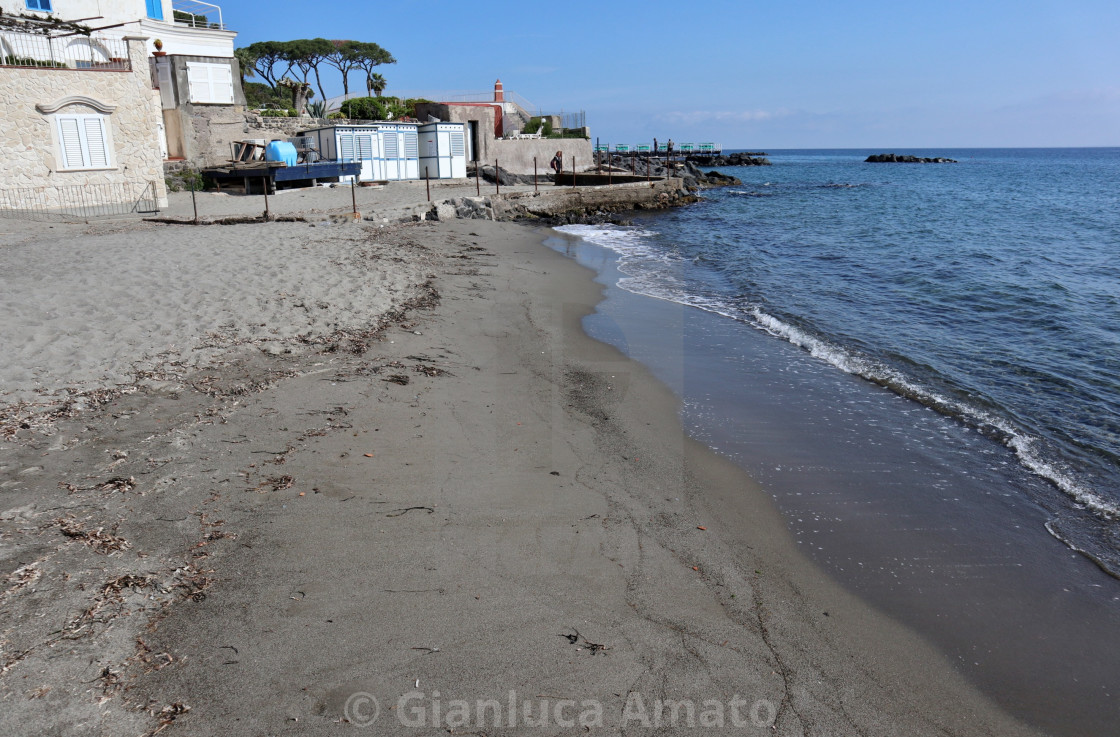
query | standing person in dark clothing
(557,163)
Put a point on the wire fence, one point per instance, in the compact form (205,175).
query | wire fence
(95,53)
(570,120)
(79,202)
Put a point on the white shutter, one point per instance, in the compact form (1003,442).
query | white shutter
(97,146)
(210,83)
(221,83)
(198,80)
(390,144)
(70,141)
(166,85)
(410,148)
(346,147)
(457,143)
(83,142)
(365,147)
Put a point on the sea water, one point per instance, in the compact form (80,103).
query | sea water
(920,362)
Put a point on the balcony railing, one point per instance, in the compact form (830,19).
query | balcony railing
(93,53)
(197,14)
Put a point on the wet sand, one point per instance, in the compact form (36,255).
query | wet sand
(913,512)
(463,499)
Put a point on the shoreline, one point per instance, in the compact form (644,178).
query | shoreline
(858,475)
(386,513)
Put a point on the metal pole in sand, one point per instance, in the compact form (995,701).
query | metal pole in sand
(497,178)
(477,171)
(573,172)
(354,198)
(264,181)
(427,184)
(194,202)
(535,187)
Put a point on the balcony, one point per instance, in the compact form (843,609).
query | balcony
(197,14)
(95,53)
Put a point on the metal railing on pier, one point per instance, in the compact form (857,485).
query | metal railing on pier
(646,149)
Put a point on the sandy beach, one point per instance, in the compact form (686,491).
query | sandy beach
(317,478)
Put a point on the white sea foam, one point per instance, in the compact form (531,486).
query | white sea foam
(643,266)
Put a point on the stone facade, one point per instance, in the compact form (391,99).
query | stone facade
(30,154)
(200,133)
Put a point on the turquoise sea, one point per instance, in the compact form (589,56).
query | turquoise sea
(921,363)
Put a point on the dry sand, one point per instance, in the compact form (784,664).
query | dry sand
(393,496)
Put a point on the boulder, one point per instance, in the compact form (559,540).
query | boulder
(739,159)
(905,159)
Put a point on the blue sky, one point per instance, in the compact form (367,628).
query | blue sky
(754,74)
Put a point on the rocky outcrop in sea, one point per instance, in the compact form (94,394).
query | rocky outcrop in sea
(896,159)
(739,159)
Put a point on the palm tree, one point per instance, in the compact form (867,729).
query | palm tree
(376,84)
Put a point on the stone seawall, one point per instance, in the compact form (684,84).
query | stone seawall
(516,155)
(562,204)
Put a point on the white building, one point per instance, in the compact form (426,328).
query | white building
(189,50)
(387,151)
(186,27)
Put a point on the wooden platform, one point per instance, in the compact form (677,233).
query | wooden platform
(268,173)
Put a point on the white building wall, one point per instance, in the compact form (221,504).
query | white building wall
(177,38)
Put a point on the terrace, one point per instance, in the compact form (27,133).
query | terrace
(74,51)
(197,14)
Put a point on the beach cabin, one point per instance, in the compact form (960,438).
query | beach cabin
(443,150)
(387,151)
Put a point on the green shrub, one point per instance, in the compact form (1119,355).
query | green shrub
(186,180)
(259,95)
(547,129)
(532,126)
(198,21)
(364,108)
(27,61)
(410,104)
(380,108)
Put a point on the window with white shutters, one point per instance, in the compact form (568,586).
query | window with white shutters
(83,142)
(457,145)
(210,83)
(410,145)
(391,145)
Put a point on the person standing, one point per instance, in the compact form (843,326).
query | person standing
(557,163)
